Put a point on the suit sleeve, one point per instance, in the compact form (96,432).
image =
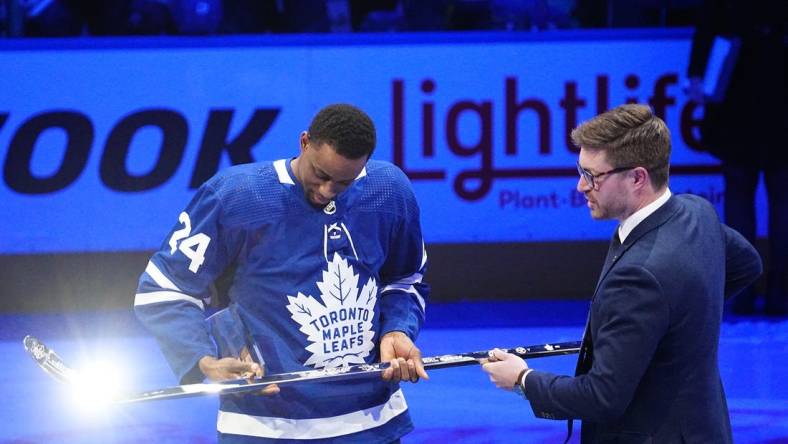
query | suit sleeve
(175,288)
(742,262)
(404,294)
(631,317)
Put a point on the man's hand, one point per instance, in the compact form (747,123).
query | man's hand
(504,368)
(405,358)
(235,368)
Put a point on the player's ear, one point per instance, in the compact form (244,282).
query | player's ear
(303,140)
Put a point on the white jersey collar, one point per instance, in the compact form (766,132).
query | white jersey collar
(285,178)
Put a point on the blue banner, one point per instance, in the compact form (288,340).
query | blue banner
(102,146)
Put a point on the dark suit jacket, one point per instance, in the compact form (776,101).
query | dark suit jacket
(751,123)
(649,371)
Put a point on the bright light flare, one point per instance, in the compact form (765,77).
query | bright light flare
(95,387)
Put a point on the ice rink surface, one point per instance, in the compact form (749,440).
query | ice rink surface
(457,405)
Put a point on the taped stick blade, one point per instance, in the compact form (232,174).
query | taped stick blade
(48,360)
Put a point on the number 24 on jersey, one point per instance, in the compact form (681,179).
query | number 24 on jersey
(193,247)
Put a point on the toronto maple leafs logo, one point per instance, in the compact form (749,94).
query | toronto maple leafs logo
(339,328)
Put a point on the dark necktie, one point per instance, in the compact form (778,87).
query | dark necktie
(585,358)
(612,252)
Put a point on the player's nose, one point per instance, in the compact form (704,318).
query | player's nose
(329,190)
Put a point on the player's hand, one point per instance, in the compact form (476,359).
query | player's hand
(504,368)
(405,358)
(242,367)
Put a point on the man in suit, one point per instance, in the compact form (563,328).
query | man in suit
(647,371)
(749,143)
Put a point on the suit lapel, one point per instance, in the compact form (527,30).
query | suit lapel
(614,254)
(652,222)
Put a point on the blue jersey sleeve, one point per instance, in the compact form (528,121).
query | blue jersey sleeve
(405,294)
(176,286)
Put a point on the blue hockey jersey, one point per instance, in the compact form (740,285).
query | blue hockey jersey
(314,287)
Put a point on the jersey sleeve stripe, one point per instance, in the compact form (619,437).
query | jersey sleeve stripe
(415,278)
(407,289)
(165,296)
(159,277)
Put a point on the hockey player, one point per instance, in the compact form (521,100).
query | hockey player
(329,262)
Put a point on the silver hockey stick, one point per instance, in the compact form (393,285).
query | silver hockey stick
(51,363)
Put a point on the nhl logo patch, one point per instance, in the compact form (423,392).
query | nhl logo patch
(331,208)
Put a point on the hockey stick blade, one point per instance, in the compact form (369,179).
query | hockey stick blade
(48,360)
(51,363)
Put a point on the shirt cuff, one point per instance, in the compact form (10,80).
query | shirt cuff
(521,380)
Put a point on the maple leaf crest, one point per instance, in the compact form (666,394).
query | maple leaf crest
(339,328)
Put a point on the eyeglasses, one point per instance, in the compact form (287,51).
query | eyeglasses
(590,177)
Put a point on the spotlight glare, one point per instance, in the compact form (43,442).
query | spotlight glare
(96,387)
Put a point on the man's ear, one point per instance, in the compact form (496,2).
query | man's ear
(641,177)
(303,140)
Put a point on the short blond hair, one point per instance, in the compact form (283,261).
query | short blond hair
(631,136)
